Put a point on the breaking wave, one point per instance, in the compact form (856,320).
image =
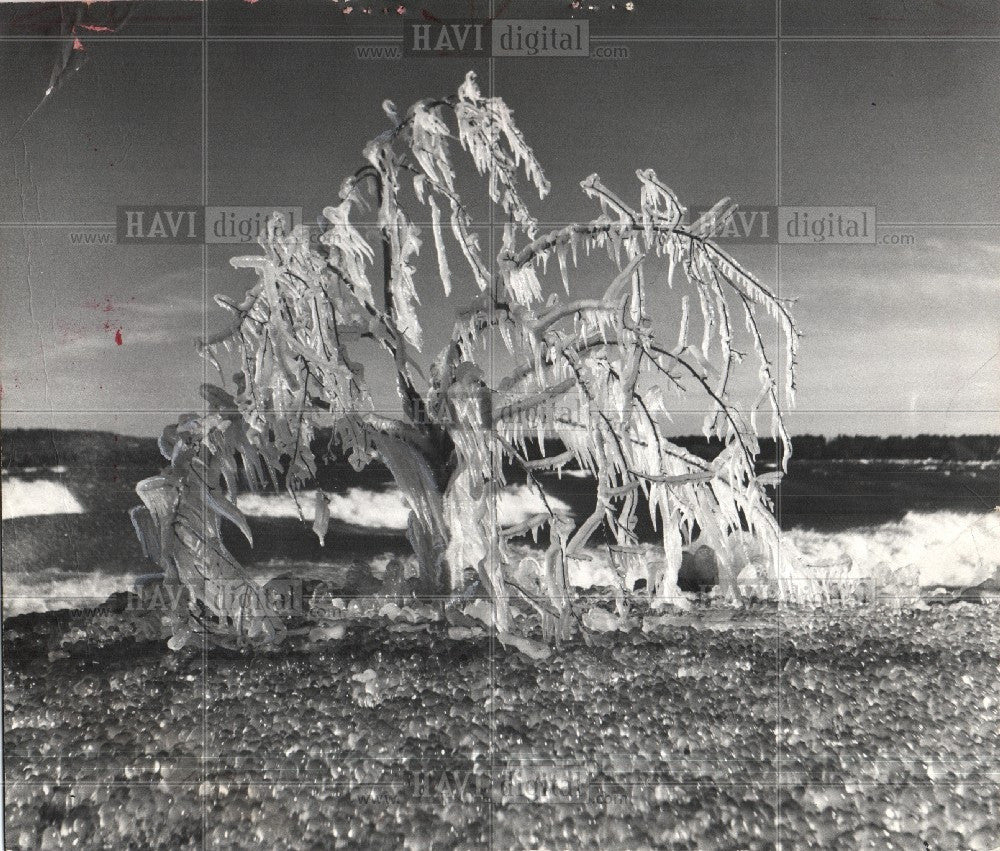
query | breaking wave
(943,547)
(28,498)
(386,510)
(358,506)
(51,591)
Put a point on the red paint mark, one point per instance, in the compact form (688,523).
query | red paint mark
(401,10)
(250,2)
(118,337)
(347,10)
(95,28)
(77,44)
(105,306)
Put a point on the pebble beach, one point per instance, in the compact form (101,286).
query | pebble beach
(721,728)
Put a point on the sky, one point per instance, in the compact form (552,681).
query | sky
(898,338)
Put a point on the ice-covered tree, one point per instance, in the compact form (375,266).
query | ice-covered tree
(542,381)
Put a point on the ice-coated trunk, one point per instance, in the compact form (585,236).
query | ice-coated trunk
(426,530)
(450,528)
(470,515)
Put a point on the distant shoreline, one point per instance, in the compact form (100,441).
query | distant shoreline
(46,447)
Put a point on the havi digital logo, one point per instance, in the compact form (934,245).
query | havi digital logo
(453,37)
(471,37)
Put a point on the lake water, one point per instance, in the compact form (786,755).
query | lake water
(68,542)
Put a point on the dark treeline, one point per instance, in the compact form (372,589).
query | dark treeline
(45,447)
(49,447)
(941,447)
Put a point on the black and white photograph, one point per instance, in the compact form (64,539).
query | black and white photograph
(500,424)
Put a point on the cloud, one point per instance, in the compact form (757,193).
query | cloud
(164,308)
(101,342)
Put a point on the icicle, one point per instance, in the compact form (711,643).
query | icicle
(470,247)
(322,517)
(561,256)
(419,186)
(443,269)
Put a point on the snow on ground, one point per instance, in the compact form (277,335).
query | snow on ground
(23,498)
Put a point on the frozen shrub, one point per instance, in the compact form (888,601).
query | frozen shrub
(588,386)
